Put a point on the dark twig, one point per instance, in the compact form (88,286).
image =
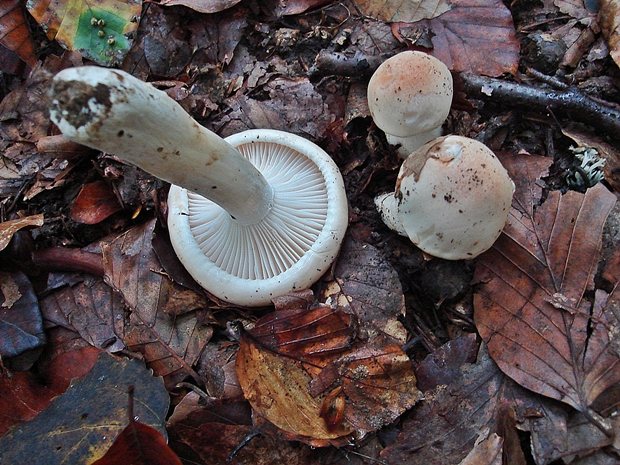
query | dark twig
(570,103)
(335,63)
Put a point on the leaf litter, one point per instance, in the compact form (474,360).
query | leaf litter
(141,311)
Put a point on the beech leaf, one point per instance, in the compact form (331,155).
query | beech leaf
(95,202)
(530,308)
(171,342)
(403,10)
(79,426)
(366,284)
(321,378)
(14,31)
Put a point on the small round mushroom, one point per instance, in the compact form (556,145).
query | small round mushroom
(409,97)
(258,215)
(452,198)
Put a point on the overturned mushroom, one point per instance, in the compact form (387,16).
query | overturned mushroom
(409,97)
(257,215)
(452,198)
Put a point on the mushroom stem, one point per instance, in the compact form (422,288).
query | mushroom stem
(112,111)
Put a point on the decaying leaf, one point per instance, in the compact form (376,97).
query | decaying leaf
(21,325)
(95,202)
(367,285)
(202,6)
(321,378)
(14,31)
(477,37)
(453,417)
(102,30)
(8,228)
(171,340)
(25,394)
(138,444)
(406,11)
(531,309)
(609,20)
(79,426)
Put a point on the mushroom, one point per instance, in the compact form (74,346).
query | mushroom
(259,214)
(452,198)
(409,98)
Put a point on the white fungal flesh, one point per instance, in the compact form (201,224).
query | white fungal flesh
(244,236)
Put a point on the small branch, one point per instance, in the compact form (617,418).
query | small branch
(338,64)
(570,103)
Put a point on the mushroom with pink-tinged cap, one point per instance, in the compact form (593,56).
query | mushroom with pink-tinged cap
(409,98)
(452,198)
(252,217)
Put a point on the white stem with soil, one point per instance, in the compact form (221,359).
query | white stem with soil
(114,112)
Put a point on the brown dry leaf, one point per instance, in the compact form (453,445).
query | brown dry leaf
(320,378)
(170,340)
(8,228)
(202,6)
(92,309)
(477,37)
(487,451)
(14,31)
(292,105)
(366,284)
(95,202)
(24,120)
(213,432)
(530,307)
(454,417)
(609,21)
(406,11)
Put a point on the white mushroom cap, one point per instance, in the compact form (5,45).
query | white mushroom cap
(452,198)
(410,95)
(277,208)
(290,248)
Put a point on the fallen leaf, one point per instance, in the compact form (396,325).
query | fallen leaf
(202,6)
(14,31)
(476,36)
(21,325)
(79,426)
(609,20)
(283,8)
(292,105)
(486,451)
(320,378)
(101,30)
(170,339)
(138,444)
(530,307)
(8,228)
(444,428)
(91,308)
(366,283)
(95,202)
(25,394)
(405,11)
